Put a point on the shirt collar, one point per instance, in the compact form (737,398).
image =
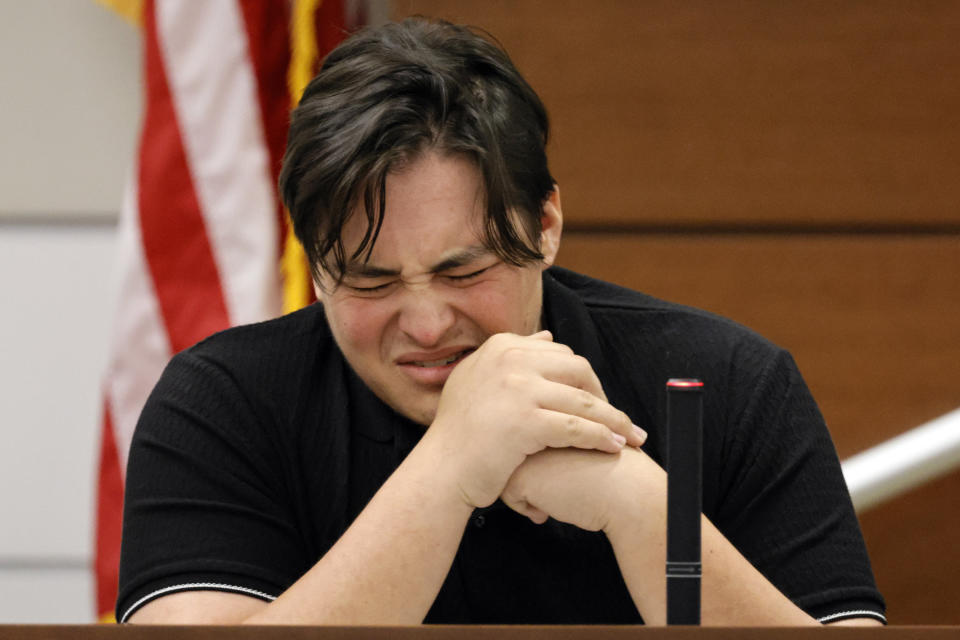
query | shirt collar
(567,318)
(373,418)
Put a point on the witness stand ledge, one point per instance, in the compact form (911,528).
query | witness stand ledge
(113,632)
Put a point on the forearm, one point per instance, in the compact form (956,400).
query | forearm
(733,591)
(388,567)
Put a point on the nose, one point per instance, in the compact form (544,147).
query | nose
(425,315)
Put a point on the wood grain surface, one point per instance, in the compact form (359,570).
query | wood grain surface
(741,112)
(471,632)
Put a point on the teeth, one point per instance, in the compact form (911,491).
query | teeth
(439,363)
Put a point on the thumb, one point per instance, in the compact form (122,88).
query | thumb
(524,508)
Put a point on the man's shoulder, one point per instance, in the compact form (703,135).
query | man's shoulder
(600,293)
(264,352)
(275,336)
(642,341)
(613,306)
(272,370)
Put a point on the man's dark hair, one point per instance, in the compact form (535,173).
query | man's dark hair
(389,94)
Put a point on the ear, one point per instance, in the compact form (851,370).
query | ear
(551,226)
(317,291)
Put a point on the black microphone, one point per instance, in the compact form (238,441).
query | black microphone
(684,499)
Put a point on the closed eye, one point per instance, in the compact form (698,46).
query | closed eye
(467,276)
(370,290)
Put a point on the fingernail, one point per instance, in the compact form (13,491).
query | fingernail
(640,433)
(619,439)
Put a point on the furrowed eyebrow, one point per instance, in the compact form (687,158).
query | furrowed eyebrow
(368,271)
(460,258)
(457,259)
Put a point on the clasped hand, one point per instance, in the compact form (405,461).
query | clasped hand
(526,419)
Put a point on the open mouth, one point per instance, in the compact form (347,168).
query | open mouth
(434,373)
(443,361)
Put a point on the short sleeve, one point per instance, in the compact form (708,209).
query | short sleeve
(783,501)
(205,506)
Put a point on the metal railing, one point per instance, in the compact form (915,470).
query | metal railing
(904,462)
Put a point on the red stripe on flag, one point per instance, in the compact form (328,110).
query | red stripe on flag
(109,517)
(330,23)
(175,240)
(267,25)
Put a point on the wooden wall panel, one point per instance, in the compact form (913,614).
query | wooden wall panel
(751,112)
(873,321)
(912,542)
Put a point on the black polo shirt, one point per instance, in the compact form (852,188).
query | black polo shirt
(259,446)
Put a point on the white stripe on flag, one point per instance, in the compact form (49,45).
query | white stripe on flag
(214,90)
(140,349)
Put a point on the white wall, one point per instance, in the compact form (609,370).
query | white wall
(69,112)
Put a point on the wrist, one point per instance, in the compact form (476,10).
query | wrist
(438,463)
(640,500)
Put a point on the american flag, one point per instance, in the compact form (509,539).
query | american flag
(203,239)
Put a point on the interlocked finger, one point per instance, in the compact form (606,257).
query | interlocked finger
(571,401)
(571,370)
(560,430)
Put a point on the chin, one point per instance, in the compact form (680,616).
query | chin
(422,415)
(422,412)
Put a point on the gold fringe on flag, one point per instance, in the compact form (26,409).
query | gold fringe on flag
(293,264)
(132,10)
